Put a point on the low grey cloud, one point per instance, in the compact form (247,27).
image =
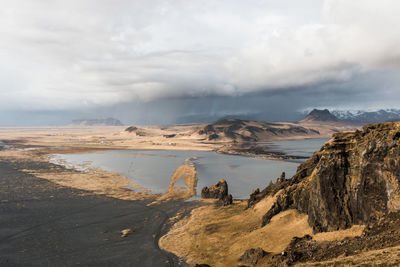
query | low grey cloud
(61,55)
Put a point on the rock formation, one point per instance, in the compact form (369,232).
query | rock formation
(353,179)
(282,178)
(270,190)
(218,191)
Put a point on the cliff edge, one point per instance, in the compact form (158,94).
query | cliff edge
(353,179)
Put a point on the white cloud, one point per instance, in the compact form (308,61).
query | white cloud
(68,54)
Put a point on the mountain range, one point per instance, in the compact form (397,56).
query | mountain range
(352,116)
(361,116)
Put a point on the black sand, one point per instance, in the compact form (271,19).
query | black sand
(44,224)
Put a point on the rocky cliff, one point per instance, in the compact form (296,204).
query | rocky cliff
(353,179)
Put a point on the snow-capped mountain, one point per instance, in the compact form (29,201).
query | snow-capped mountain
(361,116)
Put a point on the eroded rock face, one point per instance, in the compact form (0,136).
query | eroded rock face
(353,179)
(218,191)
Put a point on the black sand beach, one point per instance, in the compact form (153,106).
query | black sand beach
(45,224)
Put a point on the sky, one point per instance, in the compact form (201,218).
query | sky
(161,62)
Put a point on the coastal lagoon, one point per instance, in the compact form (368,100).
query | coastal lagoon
(152,168)
(299,148)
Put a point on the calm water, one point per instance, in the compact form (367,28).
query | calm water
(153,168)
(301,148)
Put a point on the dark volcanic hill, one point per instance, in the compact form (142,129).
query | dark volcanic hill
(97,122)
(353,179)
(319,115)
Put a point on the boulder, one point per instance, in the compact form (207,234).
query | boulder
(126,232)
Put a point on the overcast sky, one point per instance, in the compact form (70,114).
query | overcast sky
(153,61)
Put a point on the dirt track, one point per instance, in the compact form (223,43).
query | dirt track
(44,224)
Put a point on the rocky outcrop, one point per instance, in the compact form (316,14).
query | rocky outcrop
(270,190)
(282,178)
(252,256)
(218,191)
(353,179)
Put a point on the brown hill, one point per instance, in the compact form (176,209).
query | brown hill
(245,130)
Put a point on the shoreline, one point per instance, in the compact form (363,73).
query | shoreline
(46,223)
(105,182)
(247,152)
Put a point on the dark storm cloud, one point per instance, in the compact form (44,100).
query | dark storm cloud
(225,55)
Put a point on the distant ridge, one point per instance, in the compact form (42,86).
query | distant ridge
(97,122)
(365,117)
(320,115)
(252,131)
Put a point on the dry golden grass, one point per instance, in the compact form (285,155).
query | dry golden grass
(98,182)
(355,230)
(188,173)
(219,235)
(94,180)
